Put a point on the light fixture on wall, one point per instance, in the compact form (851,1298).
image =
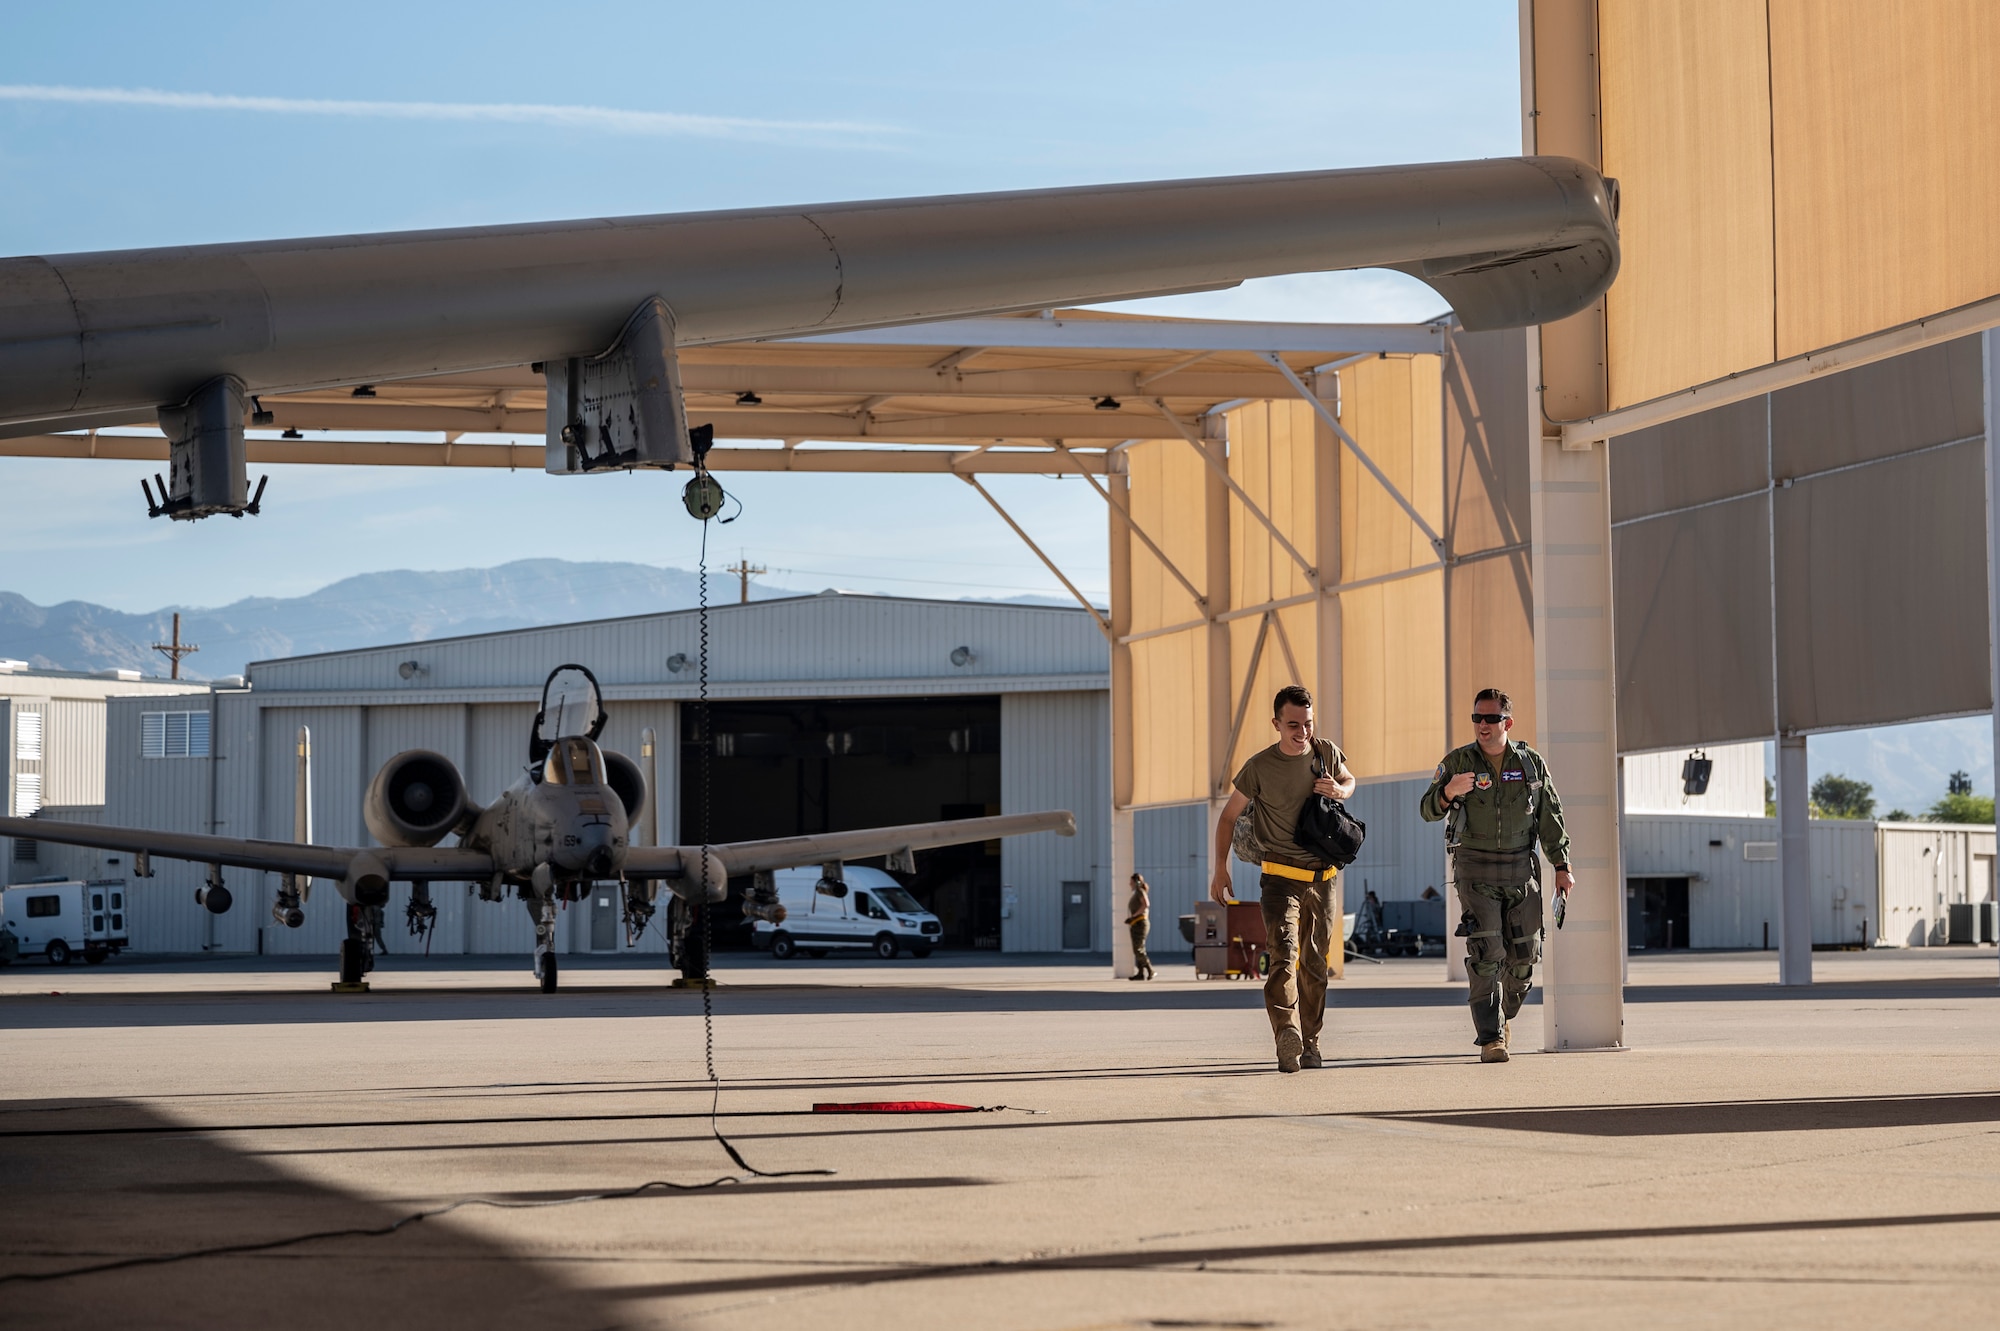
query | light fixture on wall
(962,656)
(1695,773)
(412,669)
(677,662)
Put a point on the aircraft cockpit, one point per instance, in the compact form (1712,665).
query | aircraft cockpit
(572,709)
(574,761)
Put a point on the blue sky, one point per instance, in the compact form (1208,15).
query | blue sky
(127,125)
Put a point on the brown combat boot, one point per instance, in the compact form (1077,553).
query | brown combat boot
(1497,1051)
(1309,1057)
(1290,1046)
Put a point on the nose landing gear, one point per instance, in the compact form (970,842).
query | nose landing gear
(545,941)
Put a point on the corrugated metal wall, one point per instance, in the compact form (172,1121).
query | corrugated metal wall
(1402,854)
(1171,848)
(825,640)
(1731,899)
(1055,753)
(1925,868)
(172,794)
(1735,787)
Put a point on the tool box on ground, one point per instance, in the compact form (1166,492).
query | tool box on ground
(1229,940)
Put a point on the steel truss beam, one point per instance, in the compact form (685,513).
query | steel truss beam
(1103,624)
(1138,531)
(988,460)
(1184,335)
(1222,470)
(1333,422)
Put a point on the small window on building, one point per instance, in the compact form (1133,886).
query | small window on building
(173,734)
(42,908)
(28,736)
(27,794)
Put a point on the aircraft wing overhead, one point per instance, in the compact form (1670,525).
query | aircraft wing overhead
(740,857)
(421,864)
(93,339)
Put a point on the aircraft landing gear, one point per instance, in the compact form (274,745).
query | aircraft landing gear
(545,941)
(357,950)
(687,941)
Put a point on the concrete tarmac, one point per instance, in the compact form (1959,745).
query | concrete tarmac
(1760,1156)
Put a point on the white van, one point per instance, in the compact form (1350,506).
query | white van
(875,912)
(60,919)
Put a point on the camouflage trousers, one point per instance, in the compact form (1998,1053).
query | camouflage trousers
(1298,930)
(1142,965)
(1502,928)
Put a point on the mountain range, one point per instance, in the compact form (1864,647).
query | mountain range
(368,610)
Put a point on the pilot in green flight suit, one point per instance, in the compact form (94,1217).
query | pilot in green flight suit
(1499,802)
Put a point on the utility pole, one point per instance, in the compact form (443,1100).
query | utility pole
(742,568)
(176,649)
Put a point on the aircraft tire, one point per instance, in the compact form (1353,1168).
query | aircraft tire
(548,972)
(885,947)
(353,960)
(58,952)
(782,946)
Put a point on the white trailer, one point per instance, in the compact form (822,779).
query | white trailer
(59,920)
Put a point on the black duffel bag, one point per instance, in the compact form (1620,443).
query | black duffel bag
(1326,829)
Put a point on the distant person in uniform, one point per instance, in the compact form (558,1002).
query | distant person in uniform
(1296,889)
(1499,805)
(1138,915)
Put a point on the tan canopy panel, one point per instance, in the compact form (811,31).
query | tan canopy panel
(1858,501)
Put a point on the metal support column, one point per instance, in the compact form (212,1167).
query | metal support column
(1794,865)
(1990,347)
(1124,858)
(1584,1002)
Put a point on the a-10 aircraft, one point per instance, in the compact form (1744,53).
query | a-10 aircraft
(558,830)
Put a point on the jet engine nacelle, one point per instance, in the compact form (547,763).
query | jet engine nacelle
(628,783)
(415,799)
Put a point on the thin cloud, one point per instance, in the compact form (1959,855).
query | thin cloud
(657,124)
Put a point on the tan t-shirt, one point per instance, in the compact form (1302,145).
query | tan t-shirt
(1278,786)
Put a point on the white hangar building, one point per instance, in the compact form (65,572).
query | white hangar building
(827,712)
(52,746)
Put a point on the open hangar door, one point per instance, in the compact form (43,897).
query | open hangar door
(788,768)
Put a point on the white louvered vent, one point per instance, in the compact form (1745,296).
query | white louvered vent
(28,736)
(27,794)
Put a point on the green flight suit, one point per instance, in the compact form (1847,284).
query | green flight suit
(1492,833)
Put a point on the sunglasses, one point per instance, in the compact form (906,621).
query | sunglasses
(1488,718)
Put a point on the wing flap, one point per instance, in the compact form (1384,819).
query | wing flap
(788,852)
(274,856)
(405,864)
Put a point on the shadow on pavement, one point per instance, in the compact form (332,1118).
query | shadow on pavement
(1157,1258)
(103,1200)
(1668,1120)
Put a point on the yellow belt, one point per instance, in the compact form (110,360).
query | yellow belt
(1277,870)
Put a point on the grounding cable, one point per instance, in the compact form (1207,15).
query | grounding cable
(707,907)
